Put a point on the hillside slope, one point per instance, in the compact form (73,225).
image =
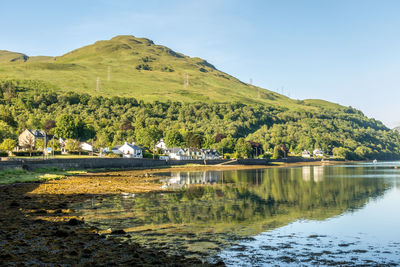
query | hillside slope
(133,67)
(136,67)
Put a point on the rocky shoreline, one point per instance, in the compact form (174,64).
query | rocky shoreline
(38,230)
(38,226)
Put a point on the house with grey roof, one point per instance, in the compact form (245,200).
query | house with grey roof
(177,153)
(210,154)
(131,151)
(29,137)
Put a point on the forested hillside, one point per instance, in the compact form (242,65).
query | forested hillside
(107,121)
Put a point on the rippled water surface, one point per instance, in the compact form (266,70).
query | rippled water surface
(327,215)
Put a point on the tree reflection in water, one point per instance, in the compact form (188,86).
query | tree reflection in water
(231,205)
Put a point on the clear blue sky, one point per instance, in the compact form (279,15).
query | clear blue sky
(345,51)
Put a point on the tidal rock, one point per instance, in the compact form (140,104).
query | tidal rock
(61,233)
(74,222)
(118,232)
(14,204)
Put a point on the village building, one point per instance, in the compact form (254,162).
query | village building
(194,153)
(161,145)
(176,153)
(210,154)
(115,150)
(131,151)
(306,154)
(318,152)
(87,147)
(29,137)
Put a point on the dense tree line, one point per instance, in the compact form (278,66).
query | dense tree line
(107,121)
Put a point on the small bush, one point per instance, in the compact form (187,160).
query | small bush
(78,153)
(27,154)
(112,155)
(203,70)
(143,67)
(167,69)
(147,155)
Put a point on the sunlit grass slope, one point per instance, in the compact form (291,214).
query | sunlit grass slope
(136,67)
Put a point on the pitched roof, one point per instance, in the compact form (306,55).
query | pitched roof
(133,146)
(173,149)
(194,150)
(37,133)
(210,151)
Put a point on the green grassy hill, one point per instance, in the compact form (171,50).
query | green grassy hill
(136,67)
(35,92)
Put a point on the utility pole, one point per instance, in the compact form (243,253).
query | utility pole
(44,144)
(108,73)
(53,147)
(98,84)
(186,81)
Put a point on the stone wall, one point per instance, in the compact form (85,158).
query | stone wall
(124,163)
(97,163)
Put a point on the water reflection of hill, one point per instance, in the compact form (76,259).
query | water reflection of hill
(235,204)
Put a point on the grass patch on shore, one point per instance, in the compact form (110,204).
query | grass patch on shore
(10,176)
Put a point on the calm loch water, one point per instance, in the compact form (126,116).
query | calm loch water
(312,215)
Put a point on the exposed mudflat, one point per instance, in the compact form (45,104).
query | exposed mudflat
(37,227)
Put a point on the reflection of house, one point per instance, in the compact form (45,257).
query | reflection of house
(180,179)
(29,137)
(315,173)
(306,154)
(306,173)
(176,153)
(318,173)
(131,150)
(318,152)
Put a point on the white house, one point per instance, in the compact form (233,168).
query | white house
(318,152)
(194,153)
(161,145)
(306,154)
(87,147)
(210,154)
(131,151)
(176,153)
(116,150)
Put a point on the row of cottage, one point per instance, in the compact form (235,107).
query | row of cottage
(131,150)
(127,150)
